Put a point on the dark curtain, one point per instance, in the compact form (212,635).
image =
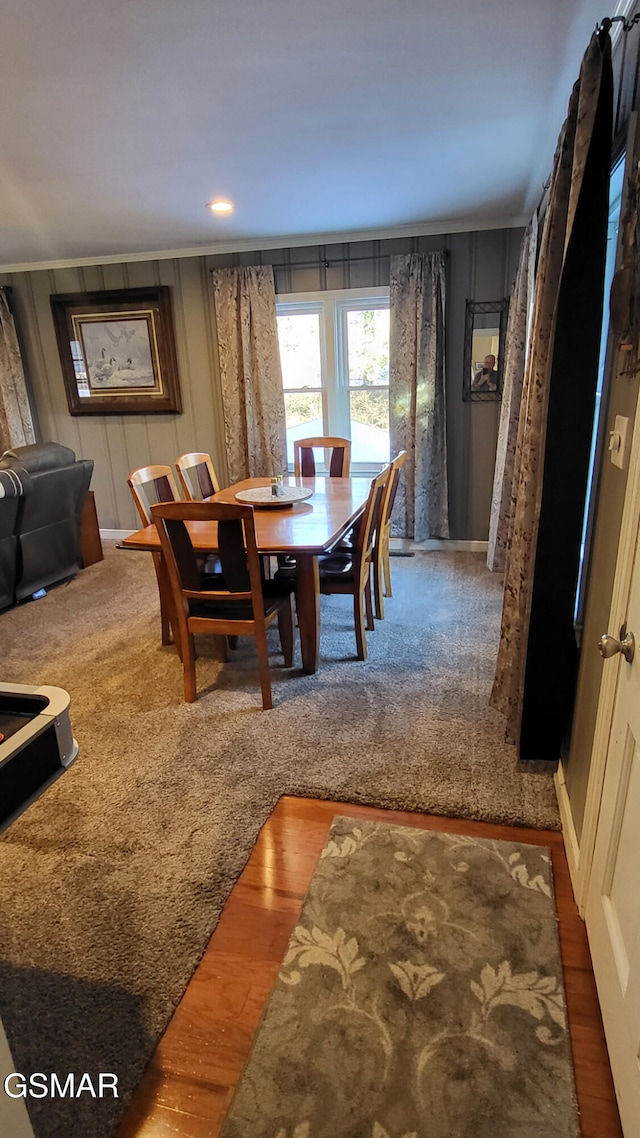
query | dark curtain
(538,656)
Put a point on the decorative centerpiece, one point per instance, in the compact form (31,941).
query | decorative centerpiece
(274,496)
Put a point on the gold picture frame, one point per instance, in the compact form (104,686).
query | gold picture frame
(117,351)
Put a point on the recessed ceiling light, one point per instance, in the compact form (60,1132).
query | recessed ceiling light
(219,205)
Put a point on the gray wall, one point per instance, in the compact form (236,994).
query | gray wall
(480,266)
(120,443)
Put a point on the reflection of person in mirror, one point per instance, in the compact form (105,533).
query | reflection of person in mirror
(487,378)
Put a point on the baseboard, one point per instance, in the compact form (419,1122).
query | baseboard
(436,544)
(115,534)
(571,843)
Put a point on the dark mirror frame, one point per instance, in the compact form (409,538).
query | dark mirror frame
(483,308)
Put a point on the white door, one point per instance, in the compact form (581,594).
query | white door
(613,899)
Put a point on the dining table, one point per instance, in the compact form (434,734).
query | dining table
(304,530)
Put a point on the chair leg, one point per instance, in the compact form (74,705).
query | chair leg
(163,586)
(377,588)
(368,605)
(232,641)
(263,665)
(358,620)
(164,625)
(168,620)
(285,628)
(189,666)
(387,570)
(222,645)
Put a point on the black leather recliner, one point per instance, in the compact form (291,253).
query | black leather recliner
(47,527)
(11,490)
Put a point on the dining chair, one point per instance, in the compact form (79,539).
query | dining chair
(381,563)
(245,606)
(349,571)
(304,463)
(197,476)
(150,485)
(199,480)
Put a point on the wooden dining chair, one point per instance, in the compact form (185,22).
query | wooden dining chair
(246,606)
(381,564)
(150,485)
(304,463)
(197,476)
(304,466)
(349,571)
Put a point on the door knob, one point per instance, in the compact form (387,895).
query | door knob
(609,646)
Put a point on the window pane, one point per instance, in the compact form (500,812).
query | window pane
(299,339)
(368,347)
(369,409)
(303,411)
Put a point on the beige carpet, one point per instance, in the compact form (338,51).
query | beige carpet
(111,884)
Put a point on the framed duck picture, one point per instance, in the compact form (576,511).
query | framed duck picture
(117,351)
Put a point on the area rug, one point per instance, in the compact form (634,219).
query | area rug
(421,996)
(111,883)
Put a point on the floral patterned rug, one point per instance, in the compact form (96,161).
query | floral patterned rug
(421,996)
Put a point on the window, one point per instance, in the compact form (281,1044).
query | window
(334,349)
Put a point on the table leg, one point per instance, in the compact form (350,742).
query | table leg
(167,614)
(308,605)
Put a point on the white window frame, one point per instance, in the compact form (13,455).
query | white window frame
(332,306)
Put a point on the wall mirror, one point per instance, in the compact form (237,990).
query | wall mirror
(484,336)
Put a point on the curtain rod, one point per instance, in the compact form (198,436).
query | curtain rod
(605,26)
(323,263)
(627,25)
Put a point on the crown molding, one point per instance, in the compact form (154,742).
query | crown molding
(290,241)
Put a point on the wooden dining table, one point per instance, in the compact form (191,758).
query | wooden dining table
(305,530)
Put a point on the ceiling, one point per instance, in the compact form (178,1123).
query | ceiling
(121,119)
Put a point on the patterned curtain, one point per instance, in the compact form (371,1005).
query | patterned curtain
(514,367)
(250,374)
(417,393)
(537,659)
(16,422)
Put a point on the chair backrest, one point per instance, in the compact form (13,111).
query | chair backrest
(371,519)
(197,476)
(237,550)
(150,485)
(392,487)
(304,463)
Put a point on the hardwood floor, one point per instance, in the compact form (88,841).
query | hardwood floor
(189,1082)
